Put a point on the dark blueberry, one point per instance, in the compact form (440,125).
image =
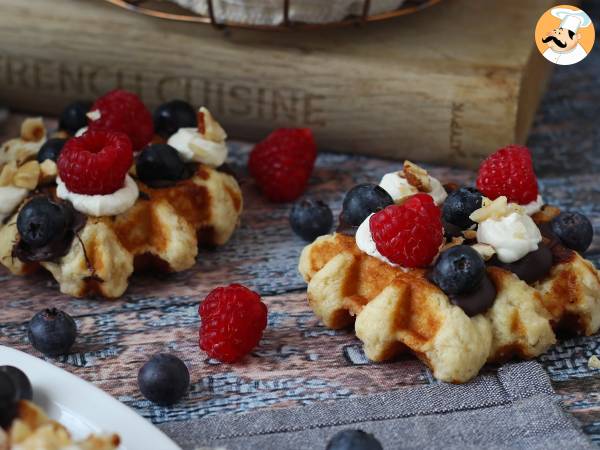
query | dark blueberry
(52,332)
(363,200)
(459,205)
(173,115)
(160,162)
(20,380)
(74,117)
(8,400)
(458,269)
(164,379)
(51,149)
(574,230)
(310,219)
(354,440)
(451,230)
(41,221)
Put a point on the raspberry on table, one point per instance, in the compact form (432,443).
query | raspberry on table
(409,234)
(124,112)
(233,319)
(283,162)
(95,163)
(509,172)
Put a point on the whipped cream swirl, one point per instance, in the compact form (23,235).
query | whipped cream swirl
(532,207)
(400,189)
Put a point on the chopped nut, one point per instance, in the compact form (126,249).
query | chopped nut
(94,115)
(417,176)
(212,129)
(495,209)
(453,243)
(48,171)
(486,251)
(33,130)
(60,134)
(27,175)
(470,235)
(546,214)
(594,362)
(7,174)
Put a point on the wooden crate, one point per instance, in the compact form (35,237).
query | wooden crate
(450,84)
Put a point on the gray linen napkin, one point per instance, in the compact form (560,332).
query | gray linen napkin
(513,408)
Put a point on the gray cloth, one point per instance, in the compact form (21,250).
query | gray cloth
(513,408)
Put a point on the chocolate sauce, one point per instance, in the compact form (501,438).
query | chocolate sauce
(533,267)
(57,247)
(560,253)
(188,172)
(477,301)
(451,230)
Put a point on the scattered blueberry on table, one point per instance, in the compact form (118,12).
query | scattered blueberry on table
(310,219)
(52,332)
(164,379)
(354,440)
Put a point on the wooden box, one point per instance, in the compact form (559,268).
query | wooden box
(449,84)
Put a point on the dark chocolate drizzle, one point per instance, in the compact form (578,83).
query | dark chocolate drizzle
(534,266)
(477,301)
(59,246)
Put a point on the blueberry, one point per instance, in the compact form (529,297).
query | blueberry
(353,440)
(41,221)
(459,269)
(459,205)
(363,200)
(8,400)
(74,117)
(574,230)
(20,380)
(160,162)
(173,115)
(52,332)
(164,379)
(310,219)
(51,149)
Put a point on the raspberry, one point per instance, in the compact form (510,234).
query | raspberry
(96,162)
(409,234)
(233,319)
(124,112)
(508,172)
(283,162)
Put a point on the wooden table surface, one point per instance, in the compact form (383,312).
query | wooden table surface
(299,361)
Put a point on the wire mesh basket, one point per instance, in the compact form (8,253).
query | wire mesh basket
(170,11)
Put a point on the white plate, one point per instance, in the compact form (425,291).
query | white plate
(82,407)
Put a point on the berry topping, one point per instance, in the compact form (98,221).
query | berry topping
(160,162)
(509,172)
(164,379)
(40,221)
(409,234)
(95,163)
(283,162)
(8,400)
(123,112)
(310,219)
(20,381)
(459,205)
(233,319)
(459,269)
(353,440)
(574,230)
(74,117)
(171,116)
(363,200)
(51,149)
(52,332)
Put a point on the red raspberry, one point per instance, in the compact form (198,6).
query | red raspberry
(283,162)
(509,172)
(233,319)
(95,163)
(409,234)
(124,112)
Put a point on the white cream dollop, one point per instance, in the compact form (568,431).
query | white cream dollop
(399,188)
(365,242)
(81,132)
(101,205)
(512,236)
(10,198)
(193,147)
(532,207)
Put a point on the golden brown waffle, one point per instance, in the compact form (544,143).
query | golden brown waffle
(33,430)
(395,309)
(162,231)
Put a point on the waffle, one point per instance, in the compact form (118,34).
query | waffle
(33,430)
(396,310)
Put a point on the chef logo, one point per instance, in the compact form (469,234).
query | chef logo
(565,35)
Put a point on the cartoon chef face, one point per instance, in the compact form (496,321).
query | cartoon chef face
(561,40)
